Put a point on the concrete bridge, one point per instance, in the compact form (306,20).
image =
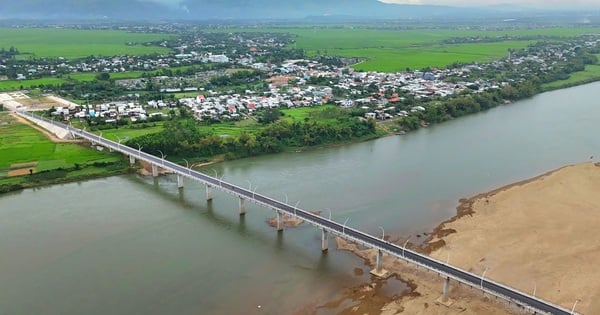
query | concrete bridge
(326,226)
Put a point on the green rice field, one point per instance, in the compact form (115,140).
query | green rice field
(396,50)
(10,85)
(69,43)
(21,144)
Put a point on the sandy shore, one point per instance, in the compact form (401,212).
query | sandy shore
(538,234)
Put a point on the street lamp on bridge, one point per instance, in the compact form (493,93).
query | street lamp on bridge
(187,165)
(162,156)
(329,213)
(404,246)
(344,225)
(574,304)
(382,232)
(482,277)
(139,149)
(119,142)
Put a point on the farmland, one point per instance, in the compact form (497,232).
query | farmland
(69,43)
(26,151)
(10,85)
(396,50)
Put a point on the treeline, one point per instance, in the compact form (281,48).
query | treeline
(182,137)
(468,103)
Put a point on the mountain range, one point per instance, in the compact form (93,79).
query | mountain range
(140,10)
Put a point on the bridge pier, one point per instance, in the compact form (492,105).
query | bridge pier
(324,240)
(154,170)
(242,206)
(131,159)
(179,181)
(209,195)
(379,271)
(445,290)
(279,221)
(444,300)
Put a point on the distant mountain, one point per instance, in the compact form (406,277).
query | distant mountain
(242,10)
(277,9)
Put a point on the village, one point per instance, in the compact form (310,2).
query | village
(292,83)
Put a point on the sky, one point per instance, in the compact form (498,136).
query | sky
(472,3)
(525,3)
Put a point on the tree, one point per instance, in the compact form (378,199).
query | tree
(104,76)
(269,115)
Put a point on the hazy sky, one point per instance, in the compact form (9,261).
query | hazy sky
(527,3)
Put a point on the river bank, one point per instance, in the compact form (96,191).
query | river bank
(537,235)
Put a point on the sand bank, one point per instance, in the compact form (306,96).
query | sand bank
(536,235)
(539,234)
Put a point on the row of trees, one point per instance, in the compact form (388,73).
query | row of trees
(468,103)
(182,137)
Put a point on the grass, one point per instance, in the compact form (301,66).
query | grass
(130,133)
(299,114)
(396,50)
(590,74)
(19,143)
(10,85)
(70,43)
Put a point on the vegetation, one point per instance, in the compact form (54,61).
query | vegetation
(396,50)
(590,74)
(185,138)
(49,82)
(29,158)
(70,43)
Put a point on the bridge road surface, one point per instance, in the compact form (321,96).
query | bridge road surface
(529,302)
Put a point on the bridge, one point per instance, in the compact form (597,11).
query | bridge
(327,226)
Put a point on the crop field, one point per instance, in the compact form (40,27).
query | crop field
(11,85)
(68,43)
(396,50)
(24,147)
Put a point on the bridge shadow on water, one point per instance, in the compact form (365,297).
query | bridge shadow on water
(166,188)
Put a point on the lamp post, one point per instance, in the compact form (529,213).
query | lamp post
(139,149)
(162,156)
(534,288)
(382,232)
(187,165)
(329,213)
(119,142)
(573,309)
(296,207)
(344,225)
(249,185)
(286,198)
(404,246)
(482,277)
(254,191)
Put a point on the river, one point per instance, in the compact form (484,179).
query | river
(137,245)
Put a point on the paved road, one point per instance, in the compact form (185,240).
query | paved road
(477,281)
